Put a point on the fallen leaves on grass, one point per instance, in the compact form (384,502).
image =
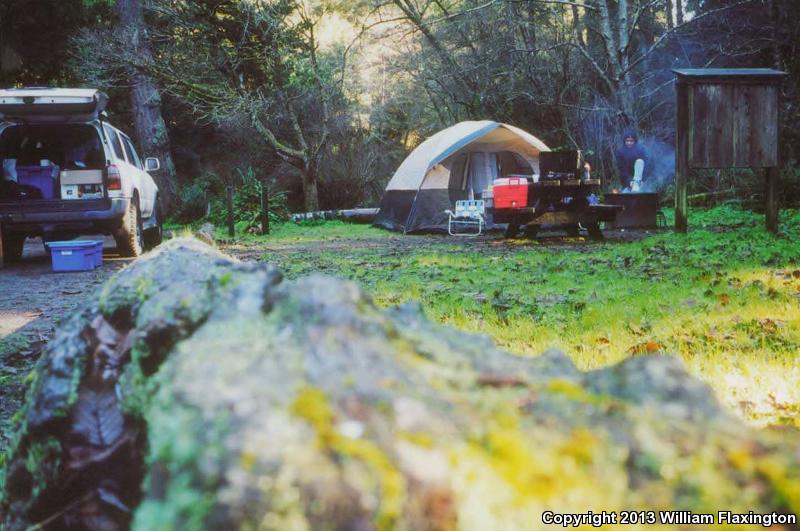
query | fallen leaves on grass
(638,330)
(782,405)
(770,326)
(713,335)
(648,347)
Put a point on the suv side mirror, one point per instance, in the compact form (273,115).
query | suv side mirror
(151,164)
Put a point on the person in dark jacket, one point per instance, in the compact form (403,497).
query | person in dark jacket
(627,156)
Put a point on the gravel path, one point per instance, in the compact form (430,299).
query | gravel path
(33,299)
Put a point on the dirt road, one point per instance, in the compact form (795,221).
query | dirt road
(33,299)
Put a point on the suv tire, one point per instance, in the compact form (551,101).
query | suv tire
(154,235)
(130,237)
(12,247)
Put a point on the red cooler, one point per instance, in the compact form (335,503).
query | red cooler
(510,192)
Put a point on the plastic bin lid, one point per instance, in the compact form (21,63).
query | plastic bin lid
(80,244)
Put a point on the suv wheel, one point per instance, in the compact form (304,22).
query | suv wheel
(12,247)
(130,237)
(154,235)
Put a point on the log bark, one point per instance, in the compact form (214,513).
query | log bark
(353,215)
(219,396)
(708,198)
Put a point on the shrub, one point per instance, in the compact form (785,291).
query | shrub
(193,199)
(205,198)
(247,202)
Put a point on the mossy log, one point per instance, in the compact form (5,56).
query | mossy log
(197,392)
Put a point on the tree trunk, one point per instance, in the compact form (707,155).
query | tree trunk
(679,12)
(670,14)
(309,177)
(776,41)
(151,131)
(221,397)
(627,104)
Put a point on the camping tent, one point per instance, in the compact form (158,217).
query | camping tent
(459,162)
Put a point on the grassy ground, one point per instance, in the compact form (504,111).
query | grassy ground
(725,297)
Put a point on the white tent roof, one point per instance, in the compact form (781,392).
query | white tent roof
(484,135)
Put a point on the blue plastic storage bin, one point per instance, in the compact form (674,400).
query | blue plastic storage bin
(79,255)
(98,253)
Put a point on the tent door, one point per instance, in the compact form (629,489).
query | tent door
(481,172)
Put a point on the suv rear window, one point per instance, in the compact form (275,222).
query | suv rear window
(113,137)
(67,147)
(133,158)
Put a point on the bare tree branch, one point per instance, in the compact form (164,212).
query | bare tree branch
(679,27)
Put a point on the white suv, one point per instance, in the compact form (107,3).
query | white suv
(66,172)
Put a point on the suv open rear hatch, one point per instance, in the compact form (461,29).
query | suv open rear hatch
(50,105)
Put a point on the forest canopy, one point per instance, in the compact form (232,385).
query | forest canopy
(323,98)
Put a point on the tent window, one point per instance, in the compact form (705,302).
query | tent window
(513,163)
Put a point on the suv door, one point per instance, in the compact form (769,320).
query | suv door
(147,187)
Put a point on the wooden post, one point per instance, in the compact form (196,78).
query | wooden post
(682,158)
(771,208)
(264,207)
(231,228)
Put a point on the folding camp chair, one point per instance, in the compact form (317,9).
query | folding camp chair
(469,214)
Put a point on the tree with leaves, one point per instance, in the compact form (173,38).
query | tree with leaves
(35,36)
(252,63)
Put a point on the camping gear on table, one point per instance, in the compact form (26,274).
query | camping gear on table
(76,255)
(562,165)
(565,194)
(457,163)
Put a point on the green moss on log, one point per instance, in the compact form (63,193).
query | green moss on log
(299,405)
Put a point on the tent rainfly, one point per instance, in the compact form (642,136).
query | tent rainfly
(459,162)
